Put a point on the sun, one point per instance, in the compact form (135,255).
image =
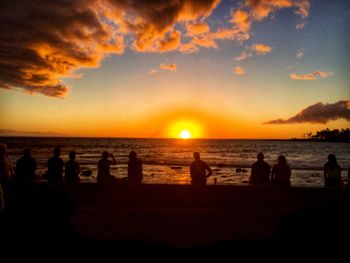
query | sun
(184,129)
(185,134)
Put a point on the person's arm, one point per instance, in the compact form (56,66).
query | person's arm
(12,172)
(289,172)
(113,159)
(210,172)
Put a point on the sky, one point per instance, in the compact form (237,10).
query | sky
(219,69)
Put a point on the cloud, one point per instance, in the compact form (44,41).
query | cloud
(170,67)
(261,49)
(204,41)
(170,43)
(43,42)
(239,70)
(153,71)
(40,43)
(255,49)
(188,48)
(300,26)
(150,21)
(319,113)
(300,54)
(263,8)
(197,28)
(311,76)
(241,21)
(8,132)
(302,8)
(241,56)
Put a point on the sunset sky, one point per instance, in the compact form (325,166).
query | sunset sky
(221,69)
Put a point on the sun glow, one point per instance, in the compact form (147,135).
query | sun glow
(185,134)
(185,129)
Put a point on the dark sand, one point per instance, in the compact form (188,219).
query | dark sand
(173,217)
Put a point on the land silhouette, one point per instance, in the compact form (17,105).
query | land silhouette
(327,135)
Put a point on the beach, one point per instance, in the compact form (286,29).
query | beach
(175,216)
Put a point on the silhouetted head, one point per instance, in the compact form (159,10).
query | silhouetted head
(332,159)
(196,155)
(132,155)
(57,151)
(3,151)
(71,155)
(105,155)
(260,156)
(282,160)
(27,152)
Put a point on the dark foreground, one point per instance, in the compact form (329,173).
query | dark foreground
(173,219)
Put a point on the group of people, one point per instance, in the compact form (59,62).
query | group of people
(135,175)
(280,173)
(59,171)
(262,174)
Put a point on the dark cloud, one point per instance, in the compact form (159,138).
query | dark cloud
(319,113)
(7,132)
(42,41)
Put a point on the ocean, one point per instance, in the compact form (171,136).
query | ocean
(166,161)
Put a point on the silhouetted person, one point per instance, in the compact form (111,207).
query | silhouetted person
(104,168)
(55,167)
(260,173)
(25,167)
(281,172)
(6,170)
(71,169)
(2,199)
(198,170)
(135,175)
(332,172)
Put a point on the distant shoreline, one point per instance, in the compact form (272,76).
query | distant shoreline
(149,138)
(321,140)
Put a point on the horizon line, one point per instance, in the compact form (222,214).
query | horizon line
(157,138)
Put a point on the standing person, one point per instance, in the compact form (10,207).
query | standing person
(198,170)
(135,175)
(281,172)
(55,167)
(104,168)
(260,173)
(6,170)
(71,169)
(25,167)
(332,172)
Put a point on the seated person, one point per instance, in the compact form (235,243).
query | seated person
(332,172)
(25,167)
(134,169)
(71,169)
(104,168)
(260,173)
(281,172)
(55,167)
